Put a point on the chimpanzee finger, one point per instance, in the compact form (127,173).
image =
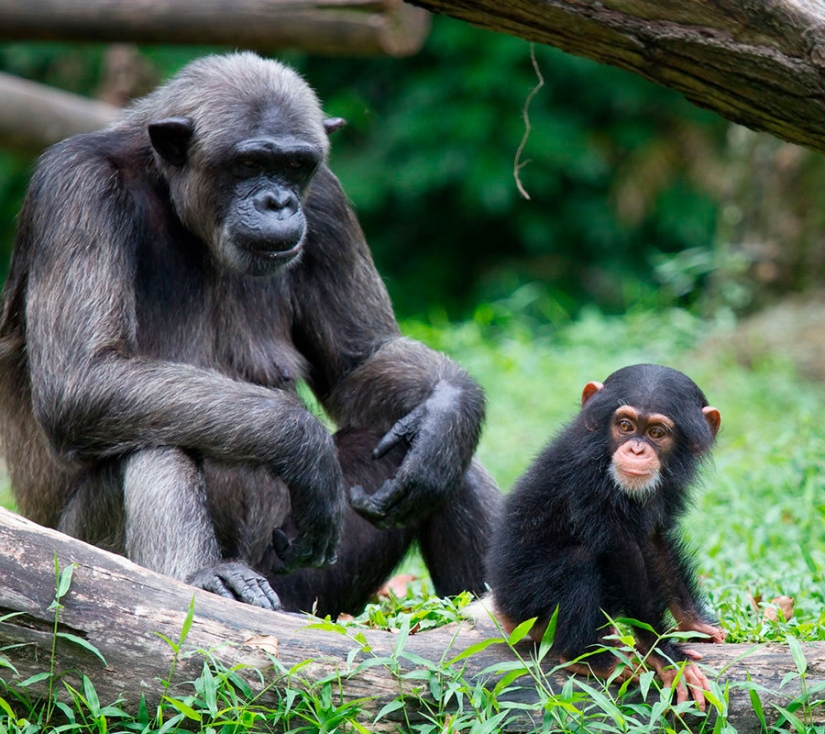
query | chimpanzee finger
(236,580)
(375,507)
(257,592)
(402,431)
(692,654)
(280,542)
(217,586)
(698,683)
(681,692)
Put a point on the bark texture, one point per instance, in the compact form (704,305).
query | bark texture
(760,63)
(119,608)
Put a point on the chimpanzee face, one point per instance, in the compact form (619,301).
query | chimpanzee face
(641,444)
(264,225)
(248,197)
(647,415)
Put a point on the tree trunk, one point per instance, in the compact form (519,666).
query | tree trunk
(335,27)
(760,63)
(121,609)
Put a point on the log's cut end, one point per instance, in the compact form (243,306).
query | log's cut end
(405,30)
(334,27)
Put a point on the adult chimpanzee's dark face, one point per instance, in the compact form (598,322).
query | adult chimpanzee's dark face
(249,208)
(264,224)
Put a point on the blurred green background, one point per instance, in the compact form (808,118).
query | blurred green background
(636,195)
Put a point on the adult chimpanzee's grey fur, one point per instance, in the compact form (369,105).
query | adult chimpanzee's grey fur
(175,275)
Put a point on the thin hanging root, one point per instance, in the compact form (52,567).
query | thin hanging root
(517,163)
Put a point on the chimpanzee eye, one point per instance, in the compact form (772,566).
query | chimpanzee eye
(295,164)
(626,426)
(656,432)
(247,167)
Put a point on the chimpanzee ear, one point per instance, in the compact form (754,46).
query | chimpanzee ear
(713,417)
(171,138)
(331,124)
(590,389)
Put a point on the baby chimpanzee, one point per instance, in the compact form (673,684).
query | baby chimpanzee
(591,527)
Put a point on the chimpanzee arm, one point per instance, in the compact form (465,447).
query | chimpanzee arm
(368,376)
(645,602)
(674,574)
(96,396)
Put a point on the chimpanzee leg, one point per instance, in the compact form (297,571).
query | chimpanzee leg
(94,512)
(366,555)
(454,540)
(168,527)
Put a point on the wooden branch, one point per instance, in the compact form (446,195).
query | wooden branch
(335,27)
(34,116)
(119,607)
(760,63)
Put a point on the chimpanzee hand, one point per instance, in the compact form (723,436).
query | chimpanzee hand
(235,580)
(686,680)
(316,488)
(714,632)
(431,469)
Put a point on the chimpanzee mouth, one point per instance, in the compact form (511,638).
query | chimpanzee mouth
(276,255)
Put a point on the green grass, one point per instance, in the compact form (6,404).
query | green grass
(757,524)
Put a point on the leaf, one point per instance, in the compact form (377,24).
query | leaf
(83,643)
(797,654)
(808,558)
(90,694)
(186,710)
(5,706)
(793,720)
(187,623)
(520,632)
(715,701)
(549,635)
(36,678)
(64,581)
(608,707)
(507,679)
(491,724)
(473,649)
(174,645)
(645,679)
(393,705)
(636,623)
(403,634)
(756,705)
(327,625)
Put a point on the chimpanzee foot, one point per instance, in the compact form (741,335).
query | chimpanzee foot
(235,580)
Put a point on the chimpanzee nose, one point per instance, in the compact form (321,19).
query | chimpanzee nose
(283,204)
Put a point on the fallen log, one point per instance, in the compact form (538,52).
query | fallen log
(34,116)
(120,610)
(760,63)
(334,27)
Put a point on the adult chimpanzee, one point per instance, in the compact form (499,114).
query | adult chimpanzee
(591,527)
(175,276)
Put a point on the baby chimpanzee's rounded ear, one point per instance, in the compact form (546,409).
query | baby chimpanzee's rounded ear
(590,389)
(713,417)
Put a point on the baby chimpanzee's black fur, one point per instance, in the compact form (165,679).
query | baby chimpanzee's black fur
(591,528)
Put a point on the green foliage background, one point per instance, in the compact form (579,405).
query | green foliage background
(428,159)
